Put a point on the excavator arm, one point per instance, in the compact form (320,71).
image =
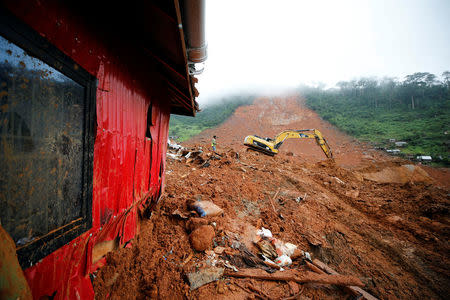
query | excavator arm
(271,146)
(304,134)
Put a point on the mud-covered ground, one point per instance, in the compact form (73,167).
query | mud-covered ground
(366,214)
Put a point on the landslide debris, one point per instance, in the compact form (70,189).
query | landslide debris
(390,234)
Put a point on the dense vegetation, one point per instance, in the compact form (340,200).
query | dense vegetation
(212,115)
(415,110)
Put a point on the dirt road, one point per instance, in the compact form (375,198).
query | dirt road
(369,215)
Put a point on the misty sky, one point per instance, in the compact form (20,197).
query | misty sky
(269,46)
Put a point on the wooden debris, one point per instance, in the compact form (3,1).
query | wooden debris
(314,268)
(354,290)
(273,199)
(293,275)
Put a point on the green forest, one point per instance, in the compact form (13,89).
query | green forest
(184,127)
(415,110)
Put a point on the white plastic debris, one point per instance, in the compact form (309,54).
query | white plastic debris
(271,263)
(283,248)
(173,145)
(307,256)
(173,156)
(283,260)
(264,233)
(288,249)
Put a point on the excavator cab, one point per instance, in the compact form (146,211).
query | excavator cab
(259,144)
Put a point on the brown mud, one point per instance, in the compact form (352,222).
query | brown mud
(379,218)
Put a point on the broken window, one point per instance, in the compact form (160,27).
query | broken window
(47,116)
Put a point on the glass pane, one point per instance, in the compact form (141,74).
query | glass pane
(41,145)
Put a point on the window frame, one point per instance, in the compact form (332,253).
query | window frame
(37,46)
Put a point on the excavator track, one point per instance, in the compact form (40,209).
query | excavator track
(262,150)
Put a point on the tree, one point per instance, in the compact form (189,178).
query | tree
(430,79)
(446,78)
(388,87)
(344,87)
(415,84)
(420,79)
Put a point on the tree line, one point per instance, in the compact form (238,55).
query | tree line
(418,90)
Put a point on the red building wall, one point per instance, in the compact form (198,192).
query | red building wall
(126,163)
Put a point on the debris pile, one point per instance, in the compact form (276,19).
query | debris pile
(231,258)
(191,156)
(250,226)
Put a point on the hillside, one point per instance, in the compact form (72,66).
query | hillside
(183,128)
(415,111)
(367,215)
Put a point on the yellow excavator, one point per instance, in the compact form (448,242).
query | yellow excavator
(270,146)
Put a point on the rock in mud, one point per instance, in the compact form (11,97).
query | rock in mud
(195,223)
(201,238)
(204,276)
(394,219)
(219,250)
(352,193)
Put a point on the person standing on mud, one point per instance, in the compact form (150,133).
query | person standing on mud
(214,143)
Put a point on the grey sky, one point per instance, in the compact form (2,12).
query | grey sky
(270,46)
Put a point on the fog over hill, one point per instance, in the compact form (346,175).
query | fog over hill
(266,47)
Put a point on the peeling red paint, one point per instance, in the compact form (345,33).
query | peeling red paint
(126,163)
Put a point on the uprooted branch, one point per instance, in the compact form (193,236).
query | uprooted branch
(300,277)
(356,291)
